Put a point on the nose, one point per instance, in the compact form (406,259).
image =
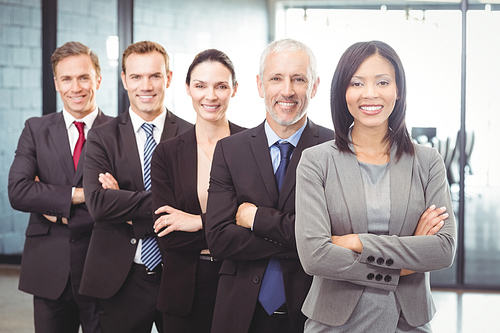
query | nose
(370,91)
(75,85)
(146,84)
(211,94)
(288,89)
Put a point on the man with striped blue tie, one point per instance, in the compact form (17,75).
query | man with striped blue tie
(123,267)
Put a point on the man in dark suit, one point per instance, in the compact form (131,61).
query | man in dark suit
(122,267)
(251,203)
(46,180)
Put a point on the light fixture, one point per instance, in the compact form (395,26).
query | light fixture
(112,47)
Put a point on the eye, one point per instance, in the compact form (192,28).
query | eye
(299,79)
(356,84)
(274,79)
(222,87)
(198,86)
(134,77)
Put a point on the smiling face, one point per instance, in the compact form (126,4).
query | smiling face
(75,80)
(287,86)
(372,93)
(146,80)
(211,88)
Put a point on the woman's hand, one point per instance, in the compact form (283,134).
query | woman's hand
(429,224)
(431,221)
(176,220)
(350,241)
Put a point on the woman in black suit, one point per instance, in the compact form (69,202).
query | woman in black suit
(180,171)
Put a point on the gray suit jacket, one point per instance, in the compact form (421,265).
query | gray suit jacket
(331,201)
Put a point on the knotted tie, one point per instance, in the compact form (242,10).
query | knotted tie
(150,253)
(272,291)
(79,143)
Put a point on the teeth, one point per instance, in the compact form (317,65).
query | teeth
(211,107)
(286,104)
(77,98)
(371,108)
(145,97)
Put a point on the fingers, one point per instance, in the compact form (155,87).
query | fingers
(431,221)
(108,181)
(164,209)
(52,219)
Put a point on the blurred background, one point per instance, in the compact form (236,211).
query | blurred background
(449,50)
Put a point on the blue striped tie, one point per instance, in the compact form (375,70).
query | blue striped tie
(150,253)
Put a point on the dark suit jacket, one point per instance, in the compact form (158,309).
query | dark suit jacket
(174,177)
(242,171)
(112,148)
(51,251)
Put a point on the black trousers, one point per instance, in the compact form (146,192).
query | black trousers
(199,320)
(66,314)
(262,322)
(133,308)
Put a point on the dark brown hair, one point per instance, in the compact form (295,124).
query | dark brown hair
(212,55)
(342,119)
(73,49)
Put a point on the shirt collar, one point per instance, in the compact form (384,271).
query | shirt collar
(88,119)
(137,121)
(272,137)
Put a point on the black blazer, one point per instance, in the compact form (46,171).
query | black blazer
(112,148)
(242,171)
(51,251)
(174,177)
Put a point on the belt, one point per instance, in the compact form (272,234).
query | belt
(208,257)
(281,311)
(143,268)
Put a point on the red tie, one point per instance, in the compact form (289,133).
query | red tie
(79,144)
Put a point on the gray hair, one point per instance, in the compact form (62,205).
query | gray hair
(288,45)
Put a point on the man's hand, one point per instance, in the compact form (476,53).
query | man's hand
(108,181)
(78,196)
(245,215)
(176,220)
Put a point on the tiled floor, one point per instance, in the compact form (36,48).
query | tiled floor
(457,312)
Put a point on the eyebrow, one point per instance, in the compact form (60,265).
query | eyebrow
(377,76)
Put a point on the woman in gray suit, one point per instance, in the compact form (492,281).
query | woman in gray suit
(371,206)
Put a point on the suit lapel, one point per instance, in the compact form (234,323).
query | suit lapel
(100,119)
(170,128)
(308,139)
(401,175)
(352,189)
(260,151)
(129,143)
(59,135)
(187,153)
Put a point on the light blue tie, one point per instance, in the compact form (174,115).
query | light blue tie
(150,253)
(272,291)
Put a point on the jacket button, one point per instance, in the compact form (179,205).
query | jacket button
(371,259)
(379,277)
(72,240)
(389,262)
(370,276)
(256,279)
(387,278)
(133,241)
(380,261)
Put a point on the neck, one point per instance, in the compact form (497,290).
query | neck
(285,131)
(370,144)
(208,132)
(148,116)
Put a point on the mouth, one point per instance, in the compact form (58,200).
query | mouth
(146,98)
(371,109)
(287,104)
(210,107)
(76,98)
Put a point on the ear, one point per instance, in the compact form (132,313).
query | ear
(98,83)
(55,84)
(315,88)
(187,90)
(124,81)
(169,78)
(260,86)
(235,89)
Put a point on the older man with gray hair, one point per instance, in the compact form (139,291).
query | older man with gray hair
(251,204)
